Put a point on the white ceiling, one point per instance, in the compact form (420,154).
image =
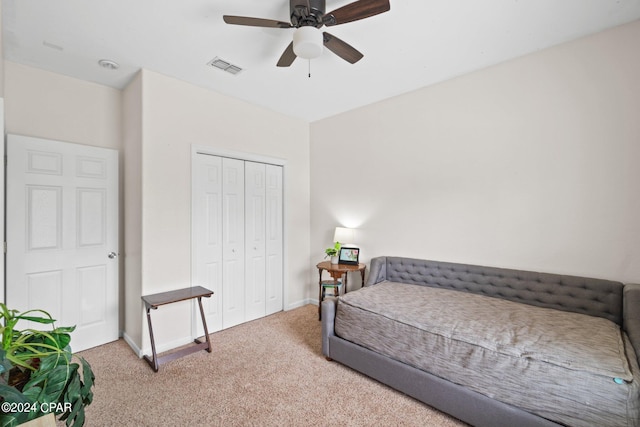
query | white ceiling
(417,43)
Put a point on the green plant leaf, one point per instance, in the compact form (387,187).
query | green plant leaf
(5,365)
(11,420)
(76,415)
(54,339)
(12,395)
(74,388)
(55,379)
(51,361)
(73,395)
(36,319)
(46,319)
(64,329)
(55,383)
(32,393)
(89,379)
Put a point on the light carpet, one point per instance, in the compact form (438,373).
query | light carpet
(268,372)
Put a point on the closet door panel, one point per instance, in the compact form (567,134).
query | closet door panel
(255,222)
(207,237)
(233,286)
(274,240)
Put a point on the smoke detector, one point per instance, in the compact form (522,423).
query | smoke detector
(108,64)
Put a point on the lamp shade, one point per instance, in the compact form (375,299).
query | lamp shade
(343,235)
(307,42)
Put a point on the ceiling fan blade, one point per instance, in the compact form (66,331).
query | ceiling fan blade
(354,11)
(288,56)
(255,22)
(342,49)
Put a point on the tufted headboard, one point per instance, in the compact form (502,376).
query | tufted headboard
(595,297)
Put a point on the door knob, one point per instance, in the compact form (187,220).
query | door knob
(112,255)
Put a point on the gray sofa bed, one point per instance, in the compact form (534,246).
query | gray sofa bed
(494,347)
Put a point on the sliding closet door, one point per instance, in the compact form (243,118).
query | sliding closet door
(274,240)
(207,236)
(233,285)
(237,239)
(255,245)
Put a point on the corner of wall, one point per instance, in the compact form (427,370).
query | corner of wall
(132,147)
(2,145)
(2,189)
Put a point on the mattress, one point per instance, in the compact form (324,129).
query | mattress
(571,368)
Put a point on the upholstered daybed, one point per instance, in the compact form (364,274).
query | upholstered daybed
(494,347)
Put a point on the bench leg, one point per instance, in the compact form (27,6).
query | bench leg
(152,362)
(204,324)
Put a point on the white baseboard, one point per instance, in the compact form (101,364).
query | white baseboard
(159,348)
(132,344)
(302,303)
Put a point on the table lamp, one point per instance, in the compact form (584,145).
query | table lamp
(344,236)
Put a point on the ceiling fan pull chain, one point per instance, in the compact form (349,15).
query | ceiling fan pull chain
(309,68)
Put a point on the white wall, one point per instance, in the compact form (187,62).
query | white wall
(175,116)
(530,164)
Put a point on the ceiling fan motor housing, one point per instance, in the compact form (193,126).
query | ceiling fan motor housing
(307,12)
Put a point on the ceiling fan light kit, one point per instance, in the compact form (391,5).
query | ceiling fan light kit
(307,17)
(308,42)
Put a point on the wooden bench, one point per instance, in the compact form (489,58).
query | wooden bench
(156,300)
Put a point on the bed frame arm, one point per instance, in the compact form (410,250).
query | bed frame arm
(377,271)
(328,317)
(631,315)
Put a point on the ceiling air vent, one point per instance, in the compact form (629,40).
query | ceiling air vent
(224,65)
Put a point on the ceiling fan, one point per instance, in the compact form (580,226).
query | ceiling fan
(307,17)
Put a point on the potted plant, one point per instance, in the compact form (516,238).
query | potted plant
(333,252)
(38,374)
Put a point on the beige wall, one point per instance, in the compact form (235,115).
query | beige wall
(2,186)
(1,67)
(130,303)
(529,164)
(1,156)
(175,116)
(47,105)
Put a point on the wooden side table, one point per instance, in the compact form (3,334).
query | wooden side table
(337,271)
(156,300)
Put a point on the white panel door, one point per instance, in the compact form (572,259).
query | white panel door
(233,284)
(274,240)
(255,247)
(62,235)
(207,237)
